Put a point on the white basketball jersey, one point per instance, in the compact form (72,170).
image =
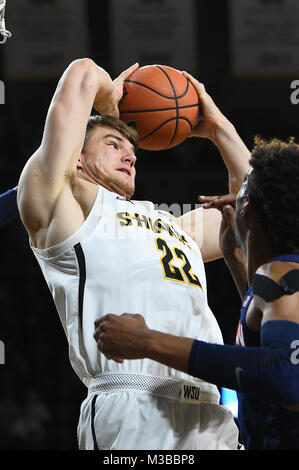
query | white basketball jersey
(127,257)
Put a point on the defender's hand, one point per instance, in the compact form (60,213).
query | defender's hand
(226,204)
(122,336)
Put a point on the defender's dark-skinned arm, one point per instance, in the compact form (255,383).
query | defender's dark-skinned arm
(128,337)
(232,254)
(266,370)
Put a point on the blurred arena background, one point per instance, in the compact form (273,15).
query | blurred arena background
(246,54)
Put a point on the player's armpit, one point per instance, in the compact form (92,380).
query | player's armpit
(191,223)
(170,216)
(203,227)
(210,248)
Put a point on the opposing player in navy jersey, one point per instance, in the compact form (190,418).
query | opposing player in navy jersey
(100,251)
(8,206)
(264,365)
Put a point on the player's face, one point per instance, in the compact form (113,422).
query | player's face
(109,160)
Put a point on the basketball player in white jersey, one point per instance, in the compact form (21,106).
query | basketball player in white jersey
(101,252)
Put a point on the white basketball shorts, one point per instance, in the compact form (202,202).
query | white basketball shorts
(134,412)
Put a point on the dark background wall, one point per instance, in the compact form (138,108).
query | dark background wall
(40,395)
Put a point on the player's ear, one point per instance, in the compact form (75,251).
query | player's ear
(246,206)
(248,212)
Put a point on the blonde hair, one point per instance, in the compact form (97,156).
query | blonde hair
(104,120)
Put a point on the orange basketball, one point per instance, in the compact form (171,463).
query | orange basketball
(163,104)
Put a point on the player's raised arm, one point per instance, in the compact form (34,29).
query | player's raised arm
(82,86)
(217,128)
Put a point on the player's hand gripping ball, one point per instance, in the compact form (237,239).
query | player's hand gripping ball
(162,103)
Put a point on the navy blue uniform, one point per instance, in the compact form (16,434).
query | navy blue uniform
(264,425)
(8,207)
